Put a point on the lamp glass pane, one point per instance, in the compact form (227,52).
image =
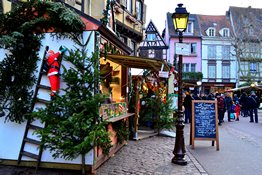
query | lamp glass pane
(180,22)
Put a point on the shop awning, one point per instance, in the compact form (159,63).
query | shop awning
(245,88)
(138,62)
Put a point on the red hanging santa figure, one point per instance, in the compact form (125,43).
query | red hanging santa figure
(53,71)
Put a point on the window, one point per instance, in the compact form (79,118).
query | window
(251,30)
(151,37)
(164,54)
(189,28)
(139,10)
(226,71)
(225,33)
(133,47)
(211,52)
(226,52)
(186,67)
(189,67)
(253,67)
(193,48)
(129,6)
(253,47)
(151,53)
(211,32)
(123,39)
(193,67)
(244,65)
(211,71)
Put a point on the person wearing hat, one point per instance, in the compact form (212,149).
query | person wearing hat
(253,103)
(53,71)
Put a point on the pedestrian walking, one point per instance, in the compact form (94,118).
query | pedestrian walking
(228,105)
(221,108)
(188,107)
(243,104)
(253,102)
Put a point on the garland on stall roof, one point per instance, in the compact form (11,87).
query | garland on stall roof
(21,32)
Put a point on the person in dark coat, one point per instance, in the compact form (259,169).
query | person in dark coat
(210,96)
(228,105)
(188,107)
(253,103)
(196,96)
(235,98)
(203,96)
(243,104)
(221,108)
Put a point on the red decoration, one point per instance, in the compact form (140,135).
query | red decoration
(53,72)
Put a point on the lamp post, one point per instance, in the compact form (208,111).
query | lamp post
(180,19)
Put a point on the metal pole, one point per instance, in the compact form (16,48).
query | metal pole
(179,150)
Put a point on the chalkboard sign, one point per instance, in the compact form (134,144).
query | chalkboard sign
(204,121)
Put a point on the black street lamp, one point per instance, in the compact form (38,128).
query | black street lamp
(180,19)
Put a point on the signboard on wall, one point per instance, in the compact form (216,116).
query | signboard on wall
(183,48)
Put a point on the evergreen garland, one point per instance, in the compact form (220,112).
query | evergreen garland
(21,32)
(73,124)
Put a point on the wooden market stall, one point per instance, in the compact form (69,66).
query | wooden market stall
(24,149)
(141,90)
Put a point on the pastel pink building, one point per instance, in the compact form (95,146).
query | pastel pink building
(192,62)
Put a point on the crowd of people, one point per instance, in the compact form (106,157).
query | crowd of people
(232,107)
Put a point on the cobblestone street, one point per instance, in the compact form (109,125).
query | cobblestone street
(151,156)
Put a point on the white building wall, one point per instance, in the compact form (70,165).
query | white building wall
(11,134)
(219,43)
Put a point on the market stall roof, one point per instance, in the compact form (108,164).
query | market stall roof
(245,88)
(138,62)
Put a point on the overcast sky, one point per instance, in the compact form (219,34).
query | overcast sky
(157,9)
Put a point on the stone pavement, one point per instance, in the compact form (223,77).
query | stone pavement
(151,156)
